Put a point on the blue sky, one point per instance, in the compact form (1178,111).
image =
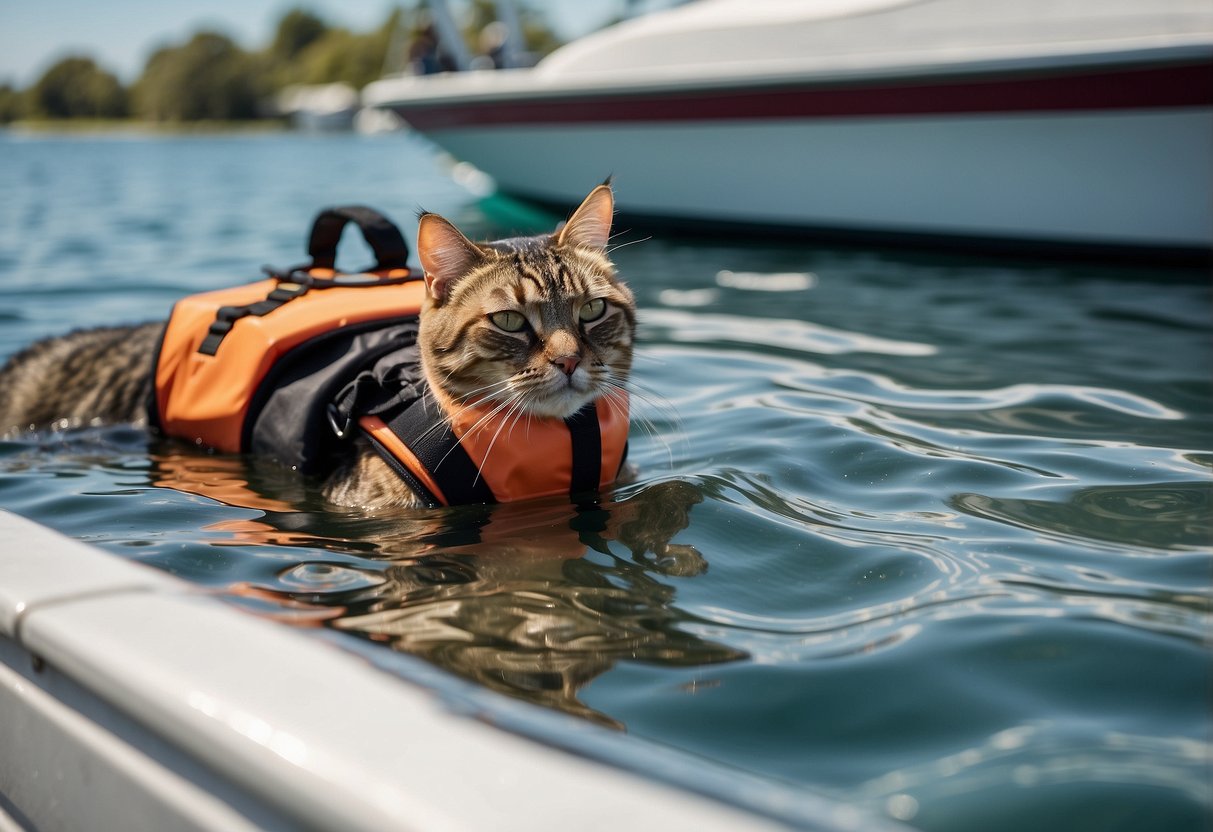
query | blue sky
(121,34)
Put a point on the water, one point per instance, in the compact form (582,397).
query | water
(941,525)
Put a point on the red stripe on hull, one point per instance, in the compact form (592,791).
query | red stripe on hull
(1187,85)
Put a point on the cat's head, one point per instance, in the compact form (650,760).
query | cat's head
(540,325)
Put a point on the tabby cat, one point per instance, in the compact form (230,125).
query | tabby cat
(536,326)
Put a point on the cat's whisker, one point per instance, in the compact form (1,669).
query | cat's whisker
(515,410)
(478,425)
(645,424)
(652,359)
(445,421)
(491,413)
(494,386)
(612,249)
(614,398)
(658,403)
(615,402)
(616,388)
(649,426)
(502,413)
(647,397)
(440,425)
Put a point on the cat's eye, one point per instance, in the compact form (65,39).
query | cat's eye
(592,310)
(509,321)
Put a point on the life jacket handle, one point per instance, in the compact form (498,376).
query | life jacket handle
(380,233)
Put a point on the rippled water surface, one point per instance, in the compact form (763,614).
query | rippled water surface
(939,528)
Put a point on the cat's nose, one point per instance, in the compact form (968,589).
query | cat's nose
(568,363)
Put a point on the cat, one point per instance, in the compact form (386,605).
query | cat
(535,326)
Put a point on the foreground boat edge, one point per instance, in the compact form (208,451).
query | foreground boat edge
(138,701)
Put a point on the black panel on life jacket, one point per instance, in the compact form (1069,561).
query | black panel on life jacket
(376,365)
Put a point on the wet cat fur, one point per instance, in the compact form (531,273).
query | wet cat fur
(514,323)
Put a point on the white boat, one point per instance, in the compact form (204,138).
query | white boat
(1039,124)
(319,108)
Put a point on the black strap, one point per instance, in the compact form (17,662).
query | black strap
(228,315)
(423,428)
(587,449)
(380,233)
(428,497)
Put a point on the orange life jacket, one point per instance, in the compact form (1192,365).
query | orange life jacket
(296,365)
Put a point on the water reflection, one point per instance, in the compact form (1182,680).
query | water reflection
(538,631)
(1171,516)
(533,600)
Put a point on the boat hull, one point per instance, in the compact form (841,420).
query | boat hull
(1108,150)
(1128,178)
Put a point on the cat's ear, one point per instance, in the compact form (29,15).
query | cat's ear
(590,224)
(446,255)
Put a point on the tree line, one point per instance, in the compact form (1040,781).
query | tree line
(210,77)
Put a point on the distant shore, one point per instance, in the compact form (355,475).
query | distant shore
(82,126)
